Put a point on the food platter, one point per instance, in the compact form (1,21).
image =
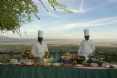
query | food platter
(57,64)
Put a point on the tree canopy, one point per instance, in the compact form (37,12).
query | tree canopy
(13,13)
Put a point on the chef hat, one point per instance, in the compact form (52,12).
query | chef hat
(86,32)
(40,33)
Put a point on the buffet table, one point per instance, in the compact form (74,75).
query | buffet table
(14,71)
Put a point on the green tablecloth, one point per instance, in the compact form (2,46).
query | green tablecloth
(12,71)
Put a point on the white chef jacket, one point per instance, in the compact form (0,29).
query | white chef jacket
(38,50)
(86,48)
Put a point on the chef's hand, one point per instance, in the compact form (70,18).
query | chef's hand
(31,56)
(46,54)
(80,54)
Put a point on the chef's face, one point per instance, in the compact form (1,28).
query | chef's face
(86,37)
(40,39)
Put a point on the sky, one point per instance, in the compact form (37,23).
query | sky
(99,16)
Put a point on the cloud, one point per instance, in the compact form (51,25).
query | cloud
(91,7)
(92,23)
(81,6)
(80,9)
(63,30)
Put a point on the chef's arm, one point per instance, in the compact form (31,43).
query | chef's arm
(93,46)
(33,51)
(46,50)
(80,49)
(80,54)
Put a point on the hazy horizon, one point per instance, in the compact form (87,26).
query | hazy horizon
(14,41)
(7,37)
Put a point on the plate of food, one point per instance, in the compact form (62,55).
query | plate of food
(56,64)
(79,65)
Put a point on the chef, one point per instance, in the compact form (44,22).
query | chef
(86,47)
(40,48)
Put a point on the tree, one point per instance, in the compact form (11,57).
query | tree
(13,13)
